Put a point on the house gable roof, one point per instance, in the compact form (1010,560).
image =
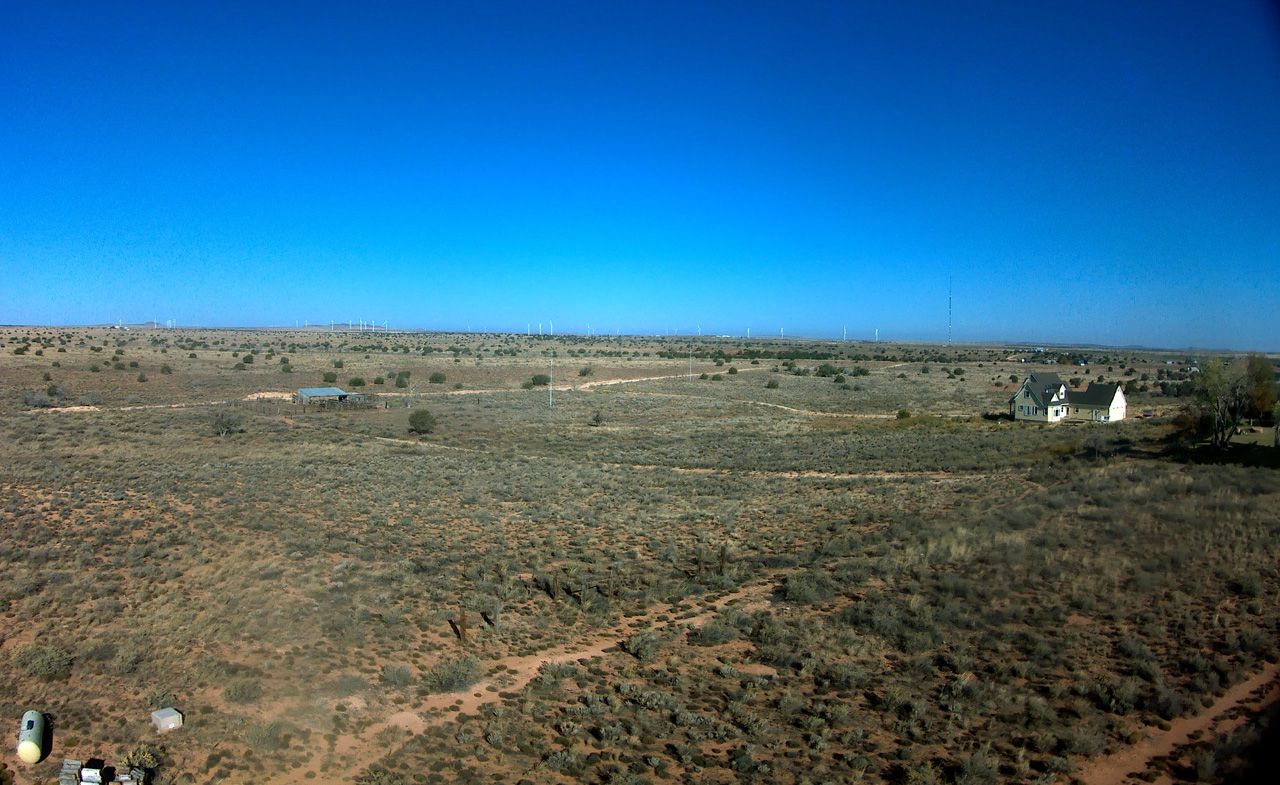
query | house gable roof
(1096,394)
(1043,386)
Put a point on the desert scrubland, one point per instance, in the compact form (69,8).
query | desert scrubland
(810,562)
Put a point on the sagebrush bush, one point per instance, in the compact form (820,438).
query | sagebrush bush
(452,675)
(242,691)
(44,661)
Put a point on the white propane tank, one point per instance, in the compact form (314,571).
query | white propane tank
(31,737)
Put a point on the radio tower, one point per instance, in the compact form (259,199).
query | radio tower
(948,310)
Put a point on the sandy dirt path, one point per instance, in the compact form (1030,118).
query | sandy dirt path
(1115,769)
(365,747)
(792,409)
(937,476)
(288,396)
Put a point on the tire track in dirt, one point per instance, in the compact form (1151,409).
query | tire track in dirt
(1116,769)
(937,476)
(519,671)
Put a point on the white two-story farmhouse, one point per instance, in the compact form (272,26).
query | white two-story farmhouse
(1043,397)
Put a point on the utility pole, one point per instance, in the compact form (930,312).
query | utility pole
(690,362)
(551,387)
(948,310)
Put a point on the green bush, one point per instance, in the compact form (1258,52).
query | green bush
(903,414)
(356,381)
(225,422)
(379,380)
(422,421)
(643,646)
(585,371)
(772,384)
(452,675)
(265,736)
(242,691)
(46,662)
(713,633)
(144,755)
(377,776)
(330,377)
(397,675)
(436,378)
(540,380)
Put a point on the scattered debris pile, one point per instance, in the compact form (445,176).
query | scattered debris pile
(96,772)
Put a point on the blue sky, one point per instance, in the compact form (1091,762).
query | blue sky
(1092,172)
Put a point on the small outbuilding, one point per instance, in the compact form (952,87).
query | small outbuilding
(322,395)
(166,719)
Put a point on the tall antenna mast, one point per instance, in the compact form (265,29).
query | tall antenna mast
(948,310)
(551,384)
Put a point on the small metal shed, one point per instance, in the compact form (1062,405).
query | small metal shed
(321,394)
(166,719)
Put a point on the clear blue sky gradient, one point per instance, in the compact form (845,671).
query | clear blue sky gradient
(1085,172)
